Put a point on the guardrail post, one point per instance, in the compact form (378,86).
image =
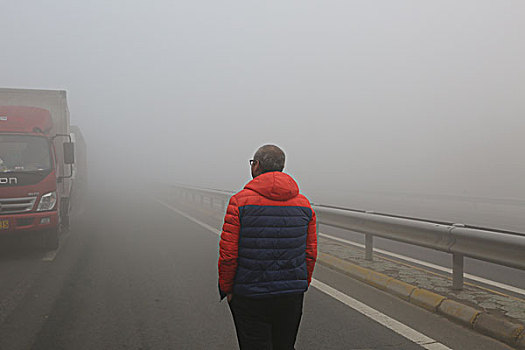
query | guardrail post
(457,271)
(369,247)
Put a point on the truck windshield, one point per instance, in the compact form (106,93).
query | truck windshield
(24,153)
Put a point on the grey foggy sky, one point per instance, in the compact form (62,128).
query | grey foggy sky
(419,96)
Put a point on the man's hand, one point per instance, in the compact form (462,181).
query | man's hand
(229,296)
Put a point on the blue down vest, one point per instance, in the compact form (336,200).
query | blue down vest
(272,250)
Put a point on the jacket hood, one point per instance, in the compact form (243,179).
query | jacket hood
(274,185)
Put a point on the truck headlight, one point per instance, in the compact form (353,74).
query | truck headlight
(47,201)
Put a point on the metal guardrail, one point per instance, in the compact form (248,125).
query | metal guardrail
(500,247)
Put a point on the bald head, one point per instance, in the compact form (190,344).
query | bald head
(270,157)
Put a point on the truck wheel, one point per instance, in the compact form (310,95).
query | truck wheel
(50,238)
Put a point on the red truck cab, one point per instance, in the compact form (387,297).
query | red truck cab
(30,185)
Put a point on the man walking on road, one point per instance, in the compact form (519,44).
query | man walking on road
(268,250)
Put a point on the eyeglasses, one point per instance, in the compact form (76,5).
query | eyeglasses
(252,161)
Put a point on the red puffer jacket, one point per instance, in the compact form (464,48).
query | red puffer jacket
(268,243)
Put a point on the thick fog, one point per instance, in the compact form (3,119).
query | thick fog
(365,97)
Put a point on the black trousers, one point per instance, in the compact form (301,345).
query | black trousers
(267,323)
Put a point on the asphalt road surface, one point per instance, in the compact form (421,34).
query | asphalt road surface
(135,274)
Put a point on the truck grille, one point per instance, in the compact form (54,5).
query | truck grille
(16,205)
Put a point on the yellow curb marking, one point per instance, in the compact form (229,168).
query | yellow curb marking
(450,278)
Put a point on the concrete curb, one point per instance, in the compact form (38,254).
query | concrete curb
(499,328)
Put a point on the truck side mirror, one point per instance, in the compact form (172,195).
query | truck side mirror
(69,153)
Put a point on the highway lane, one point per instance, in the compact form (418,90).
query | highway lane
(407,313)
(137,275)
(130,276)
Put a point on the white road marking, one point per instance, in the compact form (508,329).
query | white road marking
(52,254)
(191,218)
(430,265)
(396,326)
